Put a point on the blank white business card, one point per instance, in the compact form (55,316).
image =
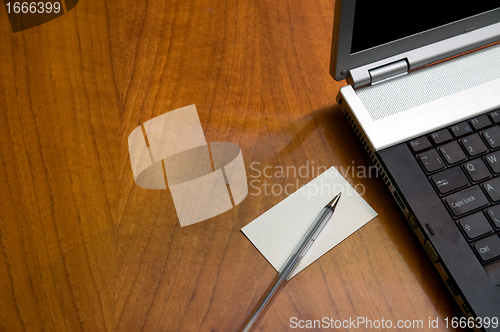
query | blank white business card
(276,232)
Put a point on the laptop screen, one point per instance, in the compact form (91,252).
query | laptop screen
(380,22)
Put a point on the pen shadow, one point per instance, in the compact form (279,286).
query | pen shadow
(345,149)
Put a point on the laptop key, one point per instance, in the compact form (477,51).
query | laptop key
(493,159)
(466,200)
(461,129)
(488,248)
(495,116)
(431,160)
(492,136)
(480,122)
(420,144)
(441,136)
(492,189)
(494,215)
(475,225)
(474,145)
(452,153)
(450,179)
(477,170)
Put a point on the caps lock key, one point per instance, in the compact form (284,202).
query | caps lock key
(466,200)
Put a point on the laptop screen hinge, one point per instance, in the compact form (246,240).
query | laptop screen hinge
(389,71)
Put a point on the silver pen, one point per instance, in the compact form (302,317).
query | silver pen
(291,263)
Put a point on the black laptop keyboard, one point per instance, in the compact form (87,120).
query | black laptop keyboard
(463,164)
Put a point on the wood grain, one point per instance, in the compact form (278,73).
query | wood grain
(82,248)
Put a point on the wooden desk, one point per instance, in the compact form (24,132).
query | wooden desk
(82,248)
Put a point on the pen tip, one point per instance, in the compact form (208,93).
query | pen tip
(335,200)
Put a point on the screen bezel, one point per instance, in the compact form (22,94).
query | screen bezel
(342,61)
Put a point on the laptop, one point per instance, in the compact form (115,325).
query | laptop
(424,100)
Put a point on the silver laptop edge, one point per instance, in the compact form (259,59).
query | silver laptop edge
(427,99)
